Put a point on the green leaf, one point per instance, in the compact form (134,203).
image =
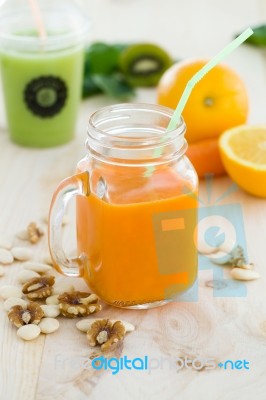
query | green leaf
(89,87)
(120,47)
(114,85)
(259,36)
(102,58)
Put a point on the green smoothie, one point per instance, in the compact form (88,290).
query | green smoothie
(42,94)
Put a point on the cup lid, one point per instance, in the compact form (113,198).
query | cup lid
(65,24)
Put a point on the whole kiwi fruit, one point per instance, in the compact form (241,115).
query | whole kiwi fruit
(144,63)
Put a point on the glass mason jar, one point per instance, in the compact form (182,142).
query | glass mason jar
(136,209)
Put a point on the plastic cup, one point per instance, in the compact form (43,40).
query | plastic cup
(42,78)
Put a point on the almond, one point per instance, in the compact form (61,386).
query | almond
(25,275)
(37,267)
(204,248)
(23,234)
(50,310)
(49,325)
(244,274)
(21,253)
(47,259)
(14,301)
(10,291)
(62,287)
(6,242)
(52,300)
(29,332)
(6,257)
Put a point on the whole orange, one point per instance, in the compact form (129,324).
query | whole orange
(218,102)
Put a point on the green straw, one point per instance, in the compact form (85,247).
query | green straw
(194,80)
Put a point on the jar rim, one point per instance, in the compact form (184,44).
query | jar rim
(166,111)
(135,132)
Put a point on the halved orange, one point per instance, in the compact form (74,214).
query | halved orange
(243,152)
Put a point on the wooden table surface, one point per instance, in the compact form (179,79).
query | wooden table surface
(211,327)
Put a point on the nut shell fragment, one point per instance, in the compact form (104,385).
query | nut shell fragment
(20,315)
(34,232)
(84,324)
(78,304)
(39,288)
(249,266)
(105,333)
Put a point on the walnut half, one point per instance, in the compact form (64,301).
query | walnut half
(34,233)
(20,316)
(105,333)
(78,304)
(39,288)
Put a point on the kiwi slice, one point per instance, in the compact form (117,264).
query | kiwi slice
(143,64)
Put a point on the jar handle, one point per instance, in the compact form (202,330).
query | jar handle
(76,185)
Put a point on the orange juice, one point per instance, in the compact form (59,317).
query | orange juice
(139,242)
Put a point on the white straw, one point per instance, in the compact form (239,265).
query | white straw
(37,16)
